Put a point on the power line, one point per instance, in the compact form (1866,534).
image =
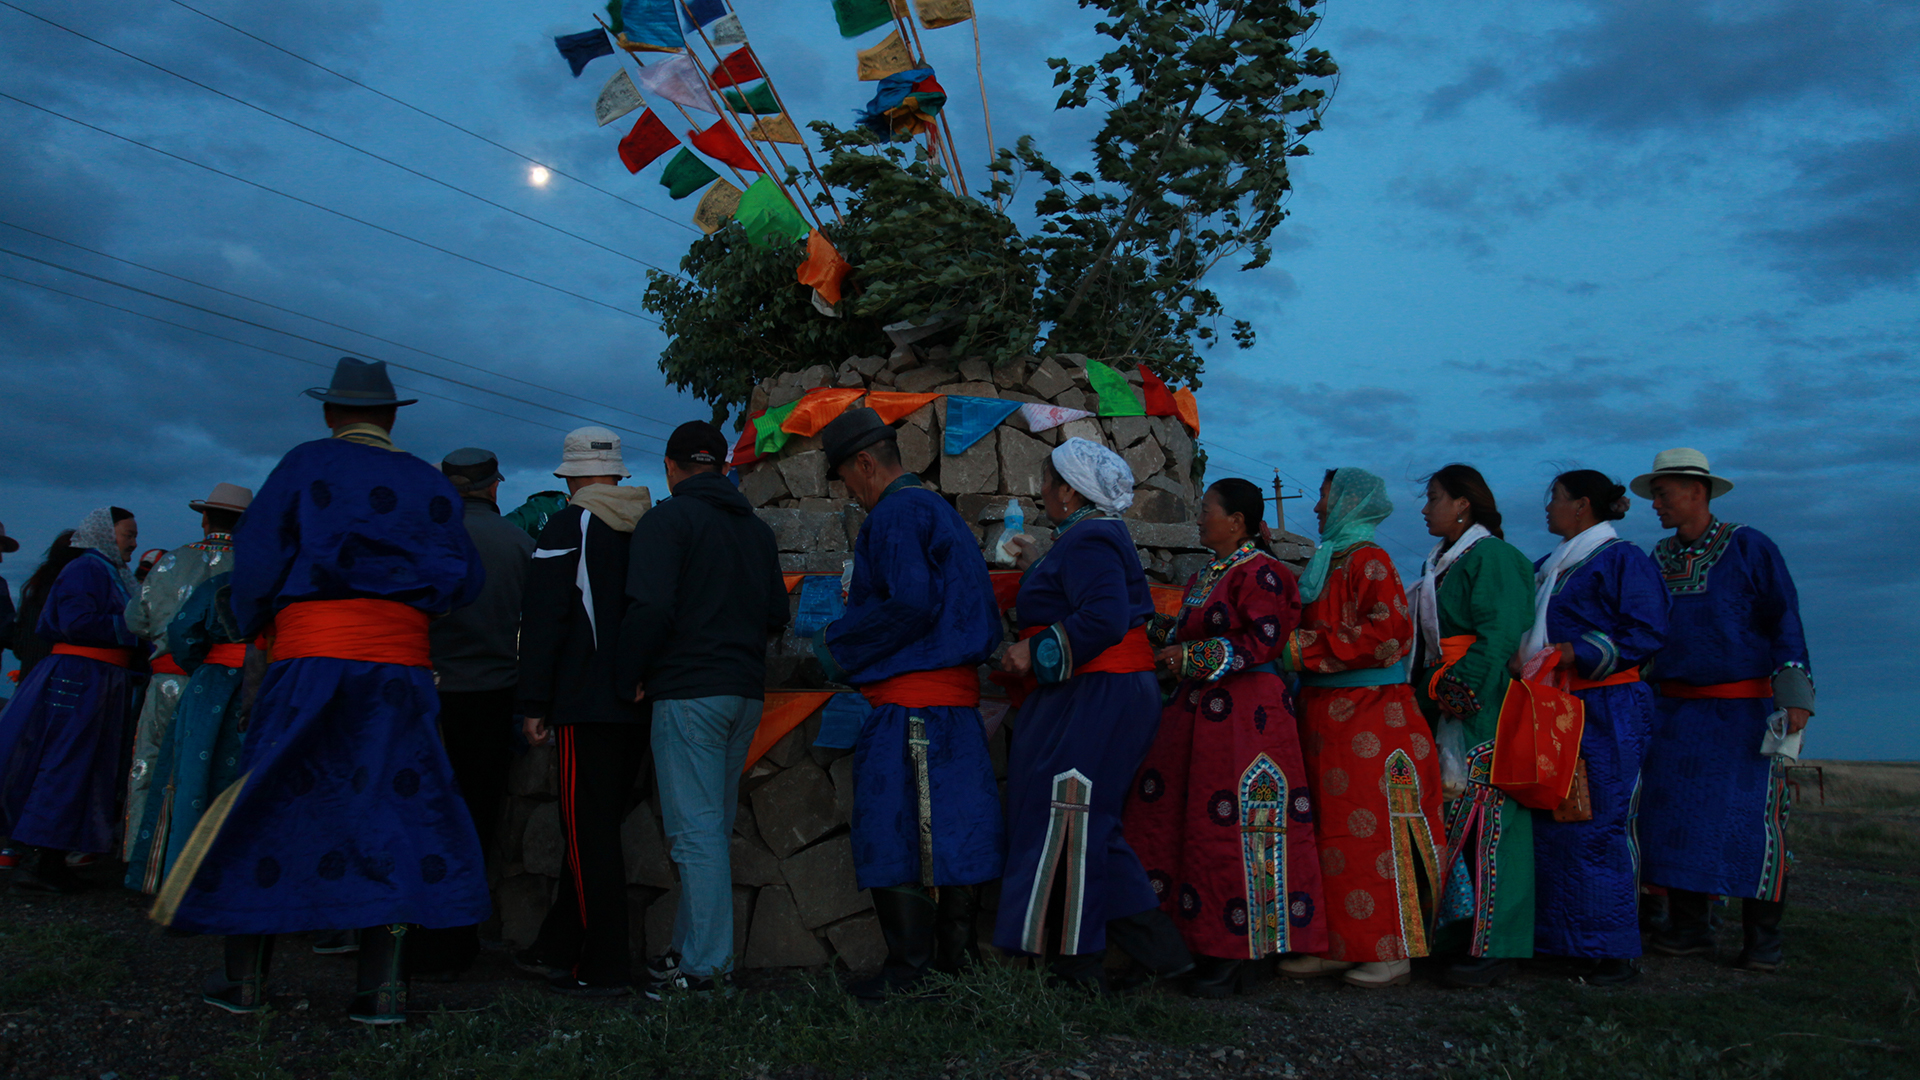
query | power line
(262,348)
(328,209)
(440,119)
(342,142)
(335,325)
(311,341)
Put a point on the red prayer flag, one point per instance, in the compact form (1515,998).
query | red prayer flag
(739,67)
(647,141)
(824,268)
(721,143)
(1006,586)
(1159,399)
(743,450)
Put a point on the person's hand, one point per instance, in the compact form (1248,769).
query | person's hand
(1018,659)
(1797,720)
(1168,660)
(639,691)
(1566,654)
(536,730)
(1025,551)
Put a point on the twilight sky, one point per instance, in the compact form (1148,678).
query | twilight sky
(1532,236)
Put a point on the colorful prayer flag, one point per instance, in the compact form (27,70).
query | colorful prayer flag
(745,454)
(890,57)
(613,16)
(758,101)
(651,26)
(969,419)
(678,79)
(1187,409)
(935,14)
(780,713)
(771,438)
(904,105)
(726,30)
(768,215)
(618,98)
(1042,417)
(896,405)
(686,174)
(740,66)
(583,47)
(824,269)
(721,143)
(701,12)
(778,129)
(820,604)
(856,17)
(646,142)
(717,207)
(1116,394)
(1159,399)
(818,407)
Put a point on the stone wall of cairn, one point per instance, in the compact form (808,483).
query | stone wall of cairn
(794,896)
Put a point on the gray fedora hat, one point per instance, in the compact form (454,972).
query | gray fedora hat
(361,383)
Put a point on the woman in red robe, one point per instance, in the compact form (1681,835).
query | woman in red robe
(1370,756)
(1220,814)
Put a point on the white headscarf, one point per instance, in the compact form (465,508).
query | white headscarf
(1425,594)
(1096,472)
(1570,552)
(95,532)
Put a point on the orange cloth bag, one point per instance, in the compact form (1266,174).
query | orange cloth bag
(1537,745)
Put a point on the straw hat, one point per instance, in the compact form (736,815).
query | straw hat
(1681,461)
(224,497)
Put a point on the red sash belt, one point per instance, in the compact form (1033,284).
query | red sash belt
(1129,654)
(164,665)
(378,631)
(927,689)
(116,657)
(233,654)
(1745,688)
(1631,675)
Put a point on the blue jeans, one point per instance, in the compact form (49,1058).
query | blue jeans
(699,747)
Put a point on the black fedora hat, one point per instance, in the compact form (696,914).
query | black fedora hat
(360,383)
(851,432)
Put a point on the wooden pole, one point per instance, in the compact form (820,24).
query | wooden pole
(979,69)
(722,103)
(784,111)
(683,112)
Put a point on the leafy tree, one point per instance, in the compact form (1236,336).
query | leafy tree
(1204,105)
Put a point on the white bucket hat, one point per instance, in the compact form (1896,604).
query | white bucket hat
(1681,461)
(591,451)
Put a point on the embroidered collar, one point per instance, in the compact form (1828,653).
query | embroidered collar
(1076,518)
(366,435)
(221,540)
(1685,567)
(1217,569)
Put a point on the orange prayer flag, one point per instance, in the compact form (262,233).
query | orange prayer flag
(1187,409)
(893,405)
(784,710)
(818,408)
(1167,598)
(791,580)
(824,268)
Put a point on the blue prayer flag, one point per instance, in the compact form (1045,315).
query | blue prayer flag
(652,22)
(970,418)
(582,47)
(702,12)
(820,603)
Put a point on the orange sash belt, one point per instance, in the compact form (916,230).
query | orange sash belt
(1451,650)
(164,665)
(232,654)
(1129,654)
(116,657)
(926,689)
(378,631)
(1621,678)
(1745,688)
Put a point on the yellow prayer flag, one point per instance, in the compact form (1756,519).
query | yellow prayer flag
(716,207)
(890,57)
(775,129)
(935,14)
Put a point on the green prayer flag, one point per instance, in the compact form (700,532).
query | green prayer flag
(856,17)
(1116,395)
(613,17)
(770,438)
(758,100)
(768,216)
(686,174)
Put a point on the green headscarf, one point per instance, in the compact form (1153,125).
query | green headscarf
(1356,503)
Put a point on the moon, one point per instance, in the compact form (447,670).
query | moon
(539,175)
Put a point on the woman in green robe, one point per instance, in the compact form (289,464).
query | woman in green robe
(1472,605)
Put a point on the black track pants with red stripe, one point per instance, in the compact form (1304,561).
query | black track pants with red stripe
(587,925)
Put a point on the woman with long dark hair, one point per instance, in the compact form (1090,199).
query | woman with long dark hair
(1471,606)
(1220,813)
(28,646)
(1601,605)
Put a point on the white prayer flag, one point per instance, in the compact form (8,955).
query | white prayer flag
(618,98)
(726,30)
(678,79)
(1042,417)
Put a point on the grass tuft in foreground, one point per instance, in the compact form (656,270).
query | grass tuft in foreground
(76,959)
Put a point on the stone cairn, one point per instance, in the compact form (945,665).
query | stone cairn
(795,900)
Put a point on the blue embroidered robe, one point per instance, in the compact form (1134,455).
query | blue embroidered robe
(60,771)
(1077,741)
(1612,608)
(920,600)
(346,813)
(1713,810)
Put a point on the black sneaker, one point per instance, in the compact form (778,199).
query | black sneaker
(566,984)
(663,967)
(241,997)
(682,983)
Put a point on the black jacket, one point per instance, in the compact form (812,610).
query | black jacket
(566,653)
(704,594)
(474,647)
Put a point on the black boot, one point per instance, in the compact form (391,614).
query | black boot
(1653,914)
(1479,972)
(48,872)
(1153,942)
(380,994)
(956,935)
(1760,926)
(1612,971)
(1081,971)
(242,985)
(1215,977)
(1689,933)
(907,916)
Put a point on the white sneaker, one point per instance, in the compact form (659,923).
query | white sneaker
(1380,973)
(1306,966)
